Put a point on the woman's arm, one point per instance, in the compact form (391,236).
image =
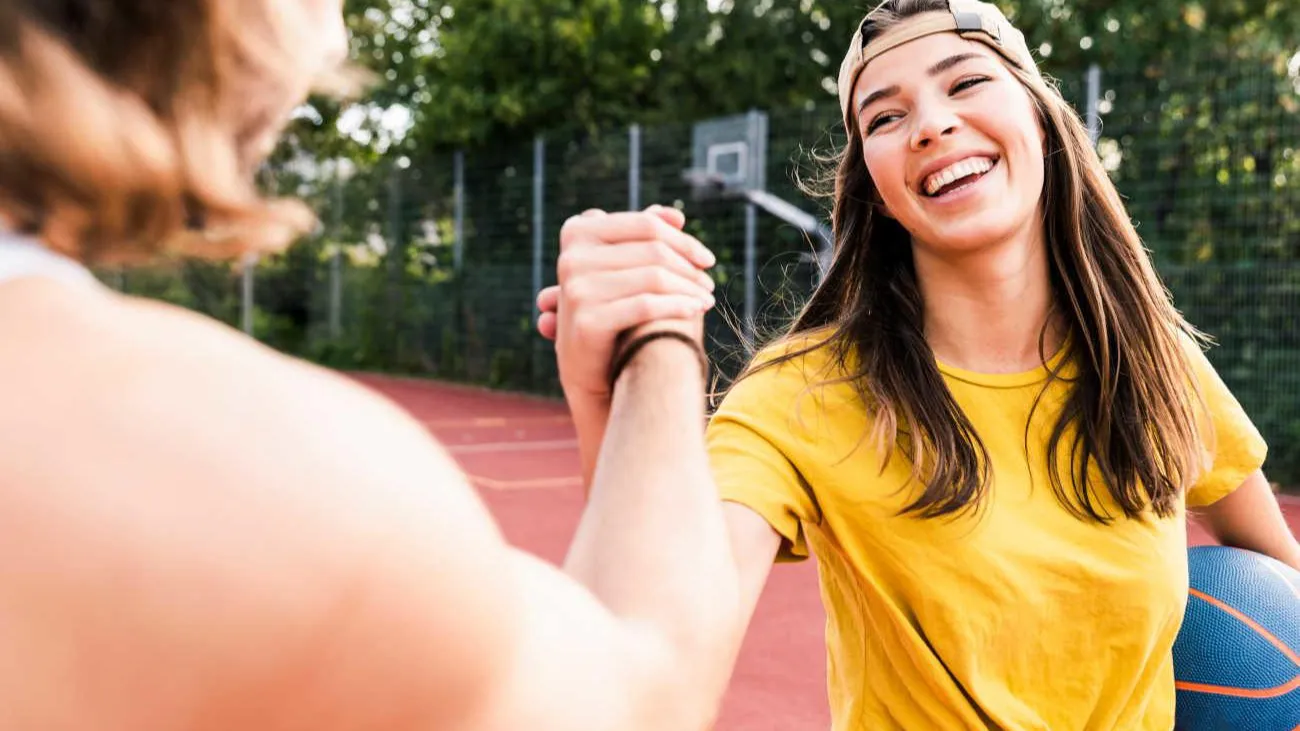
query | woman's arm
(1250,518)
(656,544)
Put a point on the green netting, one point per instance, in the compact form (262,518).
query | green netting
(1207,159)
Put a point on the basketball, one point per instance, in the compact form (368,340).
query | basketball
(1237,657)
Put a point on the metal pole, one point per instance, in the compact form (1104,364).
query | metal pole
(393,259)
(458,250)
(1094,101)
(247,304)
(539,183)
(751,271)
(336,263)
(755,137)
(634,168)
(394,232)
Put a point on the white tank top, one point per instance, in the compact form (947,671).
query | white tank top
(23,256)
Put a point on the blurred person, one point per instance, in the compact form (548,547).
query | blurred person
(204,534)
(989,421)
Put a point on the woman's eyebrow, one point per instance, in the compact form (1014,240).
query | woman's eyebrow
(934,70)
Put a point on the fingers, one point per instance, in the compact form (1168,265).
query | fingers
(603,287)
(579,262)
(614,317)
(618,228)
(670,215)
(653,274)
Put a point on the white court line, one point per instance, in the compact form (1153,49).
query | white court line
(485,422)
(547,483)
(489,447)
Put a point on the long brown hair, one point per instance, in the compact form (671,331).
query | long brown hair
(1131,415)
(127,127)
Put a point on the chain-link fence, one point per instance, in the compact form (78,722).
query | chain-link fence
(431,265)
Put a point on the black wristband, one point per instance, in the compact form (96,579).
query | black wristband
(624,356)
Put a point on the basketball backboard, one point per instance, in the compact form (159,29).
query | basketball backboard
(729,162)
(732,150)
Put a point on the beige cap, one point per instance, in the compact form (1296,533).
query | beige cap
(972,19)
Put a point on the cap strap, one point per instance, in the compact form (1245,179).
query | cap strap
(905,33)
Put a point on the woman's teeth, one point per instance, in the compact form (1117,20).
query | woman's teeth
(934,184)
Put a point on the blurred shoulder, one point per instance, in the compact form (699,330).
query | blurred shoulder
(137,358)
(270,502)
(183,410)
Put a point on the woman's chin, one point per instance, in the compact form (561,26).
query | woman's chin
(978,234)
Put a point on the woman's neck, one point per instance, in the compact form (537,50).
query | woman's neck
(986,311)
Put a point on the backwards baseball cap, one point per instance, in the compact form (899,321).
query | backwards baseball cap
(971,19)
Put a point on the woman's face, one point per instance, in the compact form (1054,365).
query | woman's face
(952,142)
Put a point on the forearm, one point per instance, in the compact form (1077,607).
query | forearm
(589,419)
(653,545)
(1281,546)
(1251,518)
(1266,537)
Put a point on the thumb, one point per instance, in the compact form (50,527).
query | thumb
(548,300)
(548,325)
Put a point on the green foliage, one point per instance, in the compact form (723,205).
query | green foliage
(475,72)
(476,69)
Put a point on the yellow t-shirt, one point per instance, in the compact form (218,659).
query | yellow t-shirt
(1020,617)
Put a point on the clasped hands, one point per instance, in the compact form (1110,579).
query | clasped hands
(621,276)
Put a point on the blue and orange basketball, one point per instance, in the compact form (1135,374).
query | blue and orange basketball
(1237,657)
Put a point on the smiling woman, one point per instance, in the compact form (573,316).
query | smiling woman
(991,320)
(946,194)
(989,420)
(972,163)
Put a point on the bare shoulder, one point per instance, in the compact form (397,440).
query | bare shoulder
(171,393)
(261,523)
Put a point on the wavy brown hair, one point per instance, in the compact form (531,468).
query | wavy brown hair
(1129,423)
(131,128)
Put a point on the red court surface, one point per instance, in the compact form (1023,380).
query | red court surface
(521,453)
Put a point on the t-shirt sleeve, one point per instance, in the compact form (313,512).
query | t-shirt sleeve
(1235,447)
(750,448)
